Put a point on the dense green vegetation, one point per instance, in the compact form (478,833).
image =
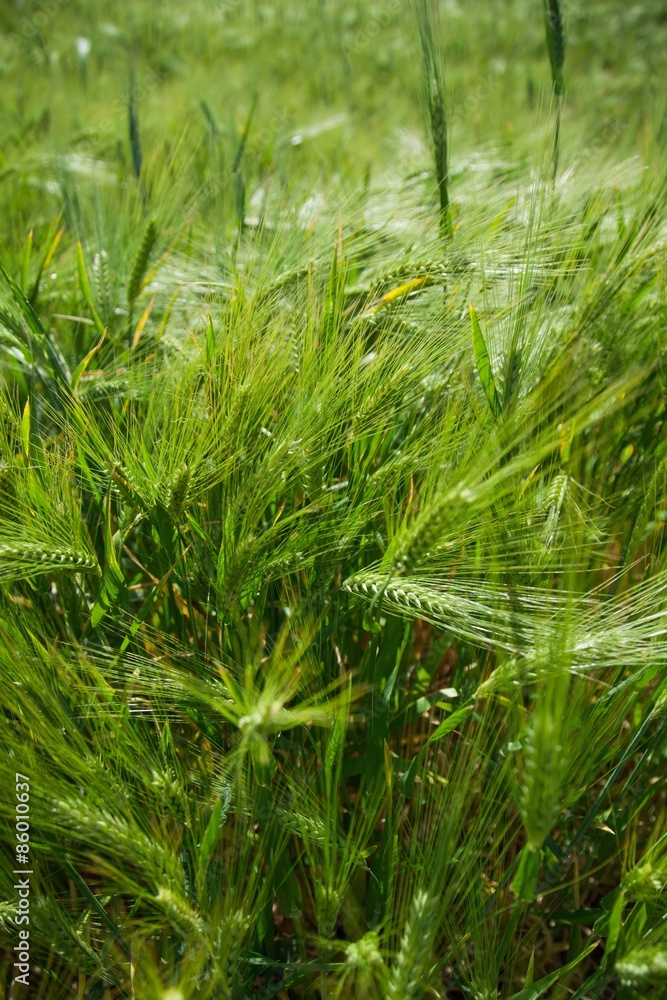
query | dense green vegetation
(333,482)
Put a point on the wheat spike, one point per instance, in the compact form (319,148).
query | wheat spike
(181,914)
(27,560)
(556,41)
(177,492)
(410,962)
(141,261)
(103,283)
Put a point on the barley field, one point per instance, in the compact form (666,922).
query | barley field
(333,490)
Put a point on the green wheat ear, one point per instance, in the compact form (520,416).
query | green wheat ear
(410,963)
(434,99)
(177,492)
(553,16)
(555,42)
(140,263)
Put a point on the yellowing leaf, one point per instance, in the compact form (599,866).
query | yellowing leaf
(142,322)
(402,290)
(25,429)
(81,367)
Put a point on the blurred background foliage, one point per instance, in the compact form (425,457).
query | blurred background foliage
(332,88)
